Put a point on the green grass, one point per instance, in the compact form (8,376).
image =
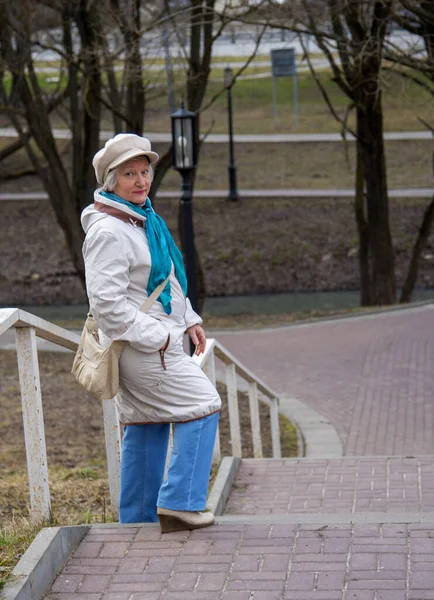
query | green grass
(288,437)
(252,101)
(253,106)
(14,541)
(404,102)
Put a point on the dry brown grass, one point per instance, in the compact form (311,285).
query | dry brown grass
(277,166)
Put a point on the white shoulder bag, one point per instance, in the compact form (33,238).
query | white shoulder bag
(95,367)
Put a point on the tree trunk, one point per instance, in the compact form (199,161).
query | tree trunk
(63,205)
(427,31)
(89,30)
(164,164)
(114,95)
(53,176)
(413,268)
(370,135)
(362,229)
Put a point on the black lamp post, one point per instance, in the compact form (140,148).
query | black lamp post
(232,171)
(185,160)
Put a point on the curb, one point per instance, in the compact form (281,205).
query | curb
(320,438)
(373,518)
(42,562)
(389,310)
(317,437)
(221,489)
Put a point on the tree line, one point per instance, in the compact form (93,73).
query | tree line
(355,36)
(100,48)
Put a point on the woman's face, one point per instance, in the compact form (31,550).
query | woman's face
(134,180)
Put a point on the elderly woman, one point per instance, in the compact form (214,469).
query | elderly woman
(128,252)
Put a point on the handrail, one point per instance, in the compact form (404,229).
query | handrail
(28,326)
(234,368)
(15,317)
(227,358)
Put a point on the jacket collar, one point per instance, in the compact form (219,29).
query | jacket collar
(115,209)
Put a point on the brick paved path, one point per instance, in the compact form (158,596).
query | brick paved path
(348,485)
(252,562)
(356,528)
(372,377)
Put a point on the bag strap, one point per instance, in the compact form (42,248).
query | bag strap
(152,298)
(149,301)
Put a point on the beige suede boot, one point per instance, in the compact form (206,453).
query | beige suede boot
(179,520)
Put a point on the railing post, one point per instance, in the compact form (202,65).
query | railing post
(34,433)
(209,369)
(234,419)
(113,449)
(254,420)
(275,429)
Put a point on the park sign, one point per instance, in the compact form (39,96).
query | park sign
(283,65)
(283,62)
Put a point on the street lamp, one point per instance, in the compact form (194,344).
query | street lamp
(184,156)
(232,171)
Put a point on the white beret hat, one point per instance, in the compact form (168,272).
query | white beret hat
(118,150)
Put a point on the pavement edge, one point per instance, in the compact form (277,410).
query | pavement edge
(222,486)
(391,310)
(321,440)
(42,562)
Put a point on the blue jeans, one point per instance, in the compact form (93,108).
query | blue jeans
(143,459)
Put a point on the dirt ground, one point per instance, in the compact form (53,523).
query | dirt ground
(250,247)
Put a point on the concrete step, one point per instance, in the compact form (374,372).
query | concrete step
(238,561)
(349,486)
(294,529)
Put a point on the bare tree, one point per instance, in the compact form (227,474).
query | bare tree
(357,32)
(415,62)
(351,34)
(95,39)
(27,109)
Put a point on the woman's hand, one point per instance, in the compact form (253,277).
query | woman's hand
(198,338)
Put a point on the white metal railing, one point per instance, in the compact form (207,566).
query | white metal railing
(28,327)
(233,371)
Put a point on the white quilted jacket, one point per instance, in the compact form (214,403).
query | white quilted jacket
(118,264)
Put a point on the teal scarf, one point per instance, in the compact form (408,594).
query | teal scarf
(162,247)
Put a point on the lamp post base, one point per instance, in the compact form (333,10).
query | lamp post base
(233,192)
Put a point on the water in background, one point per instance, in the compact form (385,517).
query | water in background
(236,305)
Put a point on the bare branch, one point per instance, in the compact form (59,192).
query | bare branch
(237,73)
(324,94)
(428,86)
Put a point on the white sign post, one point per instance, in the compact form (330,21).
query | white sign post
(283,65)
